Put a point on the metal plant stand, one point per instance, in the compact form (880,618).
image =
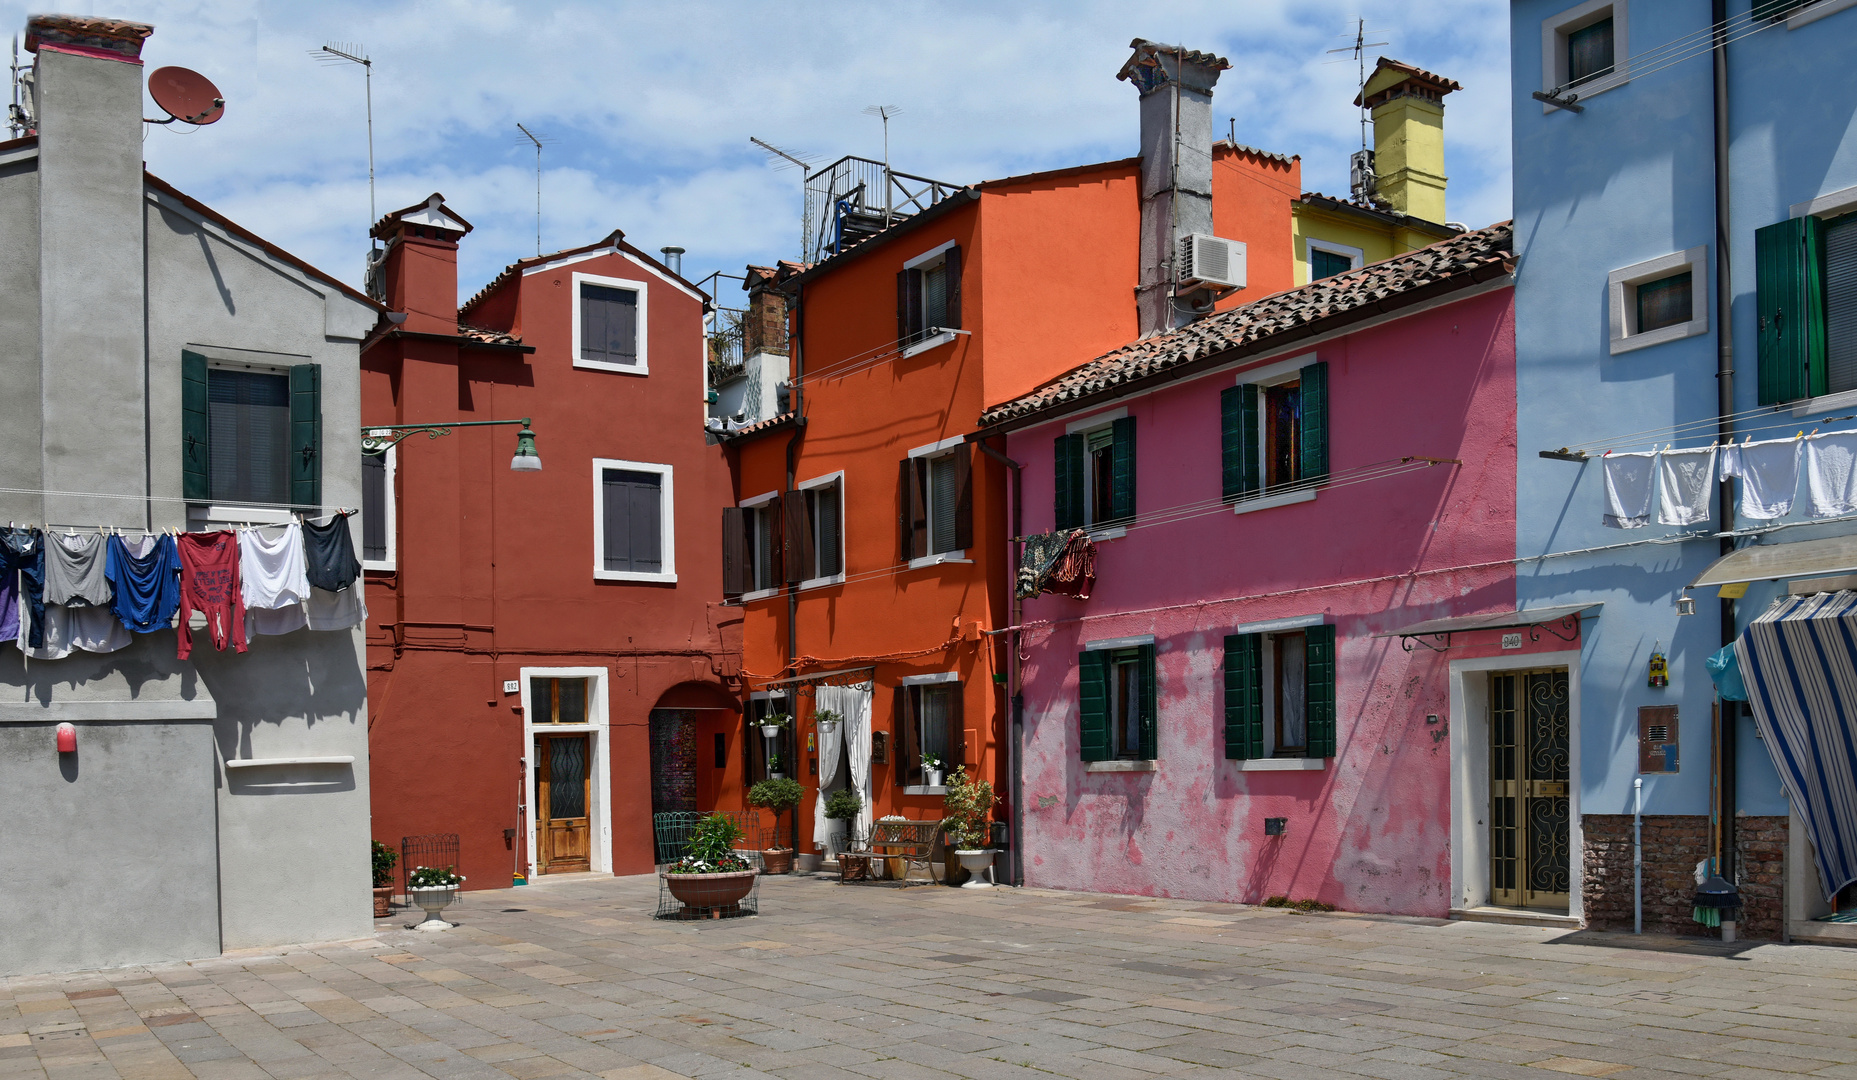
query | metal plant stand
(671,832)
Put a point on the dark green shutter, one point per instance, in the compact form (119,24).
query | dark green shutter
(306,435)
(1314,464)
(196,429)
(1150,706)
(1122,498)
(1093,704)
(1244,697)
(1319,678)
(1790,298)
(1068,481)
(1238,440)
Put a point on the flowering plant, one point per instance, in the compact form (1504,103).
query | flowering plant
(779,720)
(712,849)
(431,877)
(930,761)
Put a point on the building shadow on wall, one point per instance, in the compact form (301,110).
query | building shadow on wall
(150,660)
(311,675)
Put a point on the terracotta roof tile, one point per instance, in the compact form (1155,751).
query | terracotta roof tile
(1436,84)
(1455,263)
(488,337)
(755,429)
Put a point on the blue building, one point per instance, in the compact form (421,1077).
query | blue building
(1619,323)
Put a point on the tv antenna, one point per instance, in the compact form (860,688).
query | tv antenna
(539,141)
(19,115)
(884,112)
(1358,52)
(782,160)
(346,52)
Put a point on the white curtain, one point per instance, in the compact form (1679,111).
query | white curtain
(829,697)
(855,708)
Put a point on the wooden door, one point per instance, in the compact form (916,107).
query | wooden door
(1530,860)
(563,793)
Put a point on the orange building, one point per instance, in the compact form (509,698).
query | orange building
(870,543)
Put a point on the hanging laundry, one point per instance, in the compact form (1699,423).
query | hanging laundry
(9,594)
(273,580)
(1037,556)
(1769,473)
(1057,562)
(1831,473)
(77,570)
(24,551)
(146,577)
(1687,482)
(210,585)
(68,629)
(331,554)
(327,610)
(1628,480)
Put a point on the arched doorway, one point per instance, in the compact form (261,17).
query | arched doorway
(690,746)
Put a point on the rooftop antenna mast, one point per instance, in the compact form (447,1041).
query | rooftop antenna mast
(784,159)
(19,117)
(539,141)
(1361,176)
(338,52)
(884,112)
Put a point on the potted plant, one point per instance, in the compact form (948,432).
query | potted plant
(967,827)
(773,725)
(779,795)
(433,890)
(712,874)
(931,770)
(826,720)
(841,809)
(384,858)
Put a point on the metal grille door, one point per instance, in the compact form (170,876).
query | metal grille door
(1530,860)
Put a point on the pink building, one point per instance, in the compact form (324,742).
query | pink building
(1273,492)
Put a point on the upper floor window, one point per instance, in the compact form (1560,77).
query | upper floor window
(632,521)
(1583,49)
(251,434)
(1659,300)
(928,299)
(1274,434)
(1095,474)
(752,563)
(1806,300)
(1118,703)
(609,324)
(1328,259)
(378,509)
(1589,51)
(1280,693)
(816,519)
(936,493)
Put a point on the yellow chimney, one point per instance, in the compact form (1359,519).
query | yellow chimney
(1407,105)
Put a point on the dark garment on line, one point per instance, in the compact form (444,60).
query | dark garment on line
(23,551)
(331,554)
(210,585)
(148,587)
(1057,562)
(77,570)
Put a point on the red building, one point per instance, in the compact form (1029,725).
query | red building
(541,644)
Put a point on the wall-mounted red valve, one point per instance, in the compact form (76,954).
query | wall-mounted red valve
(67,738)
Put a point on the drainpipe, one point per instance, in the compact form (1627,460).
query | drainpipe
(1637,855)
(1015,871)
(794,402)
(1724,387)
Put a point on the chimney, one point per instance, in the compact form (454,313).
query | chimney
(88,85)
(419,275)
(1176,168)
(673,259)
(1407,105)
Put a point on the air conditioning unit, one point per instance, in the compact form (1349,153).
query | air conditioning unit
(1210,262)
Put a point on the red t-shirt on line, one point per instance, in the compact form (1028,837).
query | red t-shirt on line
(210,585)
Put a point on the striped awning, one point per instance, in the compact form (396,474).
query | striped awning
(1799,660)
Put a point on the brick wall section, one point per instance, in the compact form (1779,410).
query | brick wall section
(1673,845)
(1760,845)
(765,327)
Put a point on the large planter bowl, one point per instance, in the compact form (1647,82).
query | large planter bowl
(976,863)
(383,901)
(777,861)
(710,890)
(432,900)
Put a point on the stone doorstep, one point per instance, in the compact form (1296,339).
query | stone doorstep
(1517,917)
(1823,933)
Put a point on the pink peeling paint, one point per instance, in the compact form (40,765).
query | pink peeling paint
(1371,830)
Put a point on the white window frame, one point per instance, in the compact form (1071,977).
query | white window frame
(202,515)
(1271,375)
(759,502)
(1554,31)
(1356,256)
(633,284)
(1622,299)
(935,450)
(928,260)
(811,485)
(1086,427)
(390,468)
(1811,13)
(667,522)
(600,814)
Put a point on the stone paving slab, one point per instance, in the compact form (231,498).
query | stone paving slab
(573,978)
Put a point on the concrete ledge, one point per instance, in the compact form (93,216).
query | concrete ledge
(1281,764)
(253,763)
(1812,932)
(23,712)
(1121,766)
(1516,917)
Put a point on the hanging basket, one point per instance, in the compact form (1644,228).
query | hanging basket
(770,730)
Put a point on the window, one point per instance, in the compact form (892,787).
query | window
(251,435)
(935,491)
(1589,52)
(1095,474)
(1805,272)
(1659,300)
(1117,703)
(557,701)
(928,725)
(1584,50)
(1280,694)
(928,299)
(760,759)
(609,324)
(1328,259)
(377,509)
(815,515)
(632,521)
(1274,435)
(751,547)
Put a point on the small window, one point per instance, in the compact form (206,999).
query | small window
(250,431)
(558,701)
(1589,52)
(935,493)
(1290,719)
(825,515)
(1324,263)
(1117,704)
(1280,428)
(1126,694)
(1275,434)
(1280,694)
(1095,476)
(610,324)
(1585,50)
(928,299)
(1659,300)
(928,728)
(943,497)
(763,547)
(377,509)
(632,521)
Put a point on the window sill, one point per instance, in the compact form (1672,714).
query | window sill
(1843,399)
(1592,89)
(379,567)
(247,515)
(1120,766)
(937,560)
(928,343)
(1815,12)
(628,575)
(758,594)
(1268,502)
(1631,342)
(920,789)
(1282,764)
(617,369)
(822,582)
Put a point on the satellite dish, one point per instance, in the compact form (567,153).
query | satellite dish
(186,95)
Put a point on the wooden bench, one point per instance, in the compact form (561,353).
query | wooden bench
(910,842)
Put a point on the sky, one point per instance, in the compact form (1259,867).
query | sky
(646,109)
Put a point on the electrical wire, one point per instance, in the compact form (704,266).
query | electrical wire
(1687,47)
(1696,429)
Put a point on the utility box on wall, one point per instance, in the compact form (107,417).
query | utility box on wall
(1657,739)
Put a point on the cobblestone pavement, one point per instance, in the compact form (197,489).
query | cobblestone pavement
(572,977)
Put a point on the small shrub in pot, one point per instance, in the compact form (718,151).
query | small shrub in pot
(779,795)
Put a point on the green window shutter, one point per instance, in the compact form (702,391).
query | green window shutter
(1789,259)
(306,435)
(1093,704)
(1150,706)
(1238,440)
(1313,467)
(1319,678)
(1244,697)
(1068,482)
(1122,498)
(196,429)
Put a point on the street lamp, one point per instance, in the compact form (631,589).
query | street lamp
(377,440)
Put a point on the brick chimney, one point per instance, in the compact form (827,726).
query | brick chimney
(1407,105)
(420,272)
(1175,84)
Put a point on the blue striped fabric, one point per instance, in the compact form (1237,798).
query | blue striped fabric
(1800,663)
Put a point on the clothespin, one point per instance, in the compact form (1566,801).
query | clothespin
(1799,436)
(1749,441)
(1607,454)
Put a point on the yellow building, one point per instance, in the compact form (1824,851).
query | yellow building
(1403,204)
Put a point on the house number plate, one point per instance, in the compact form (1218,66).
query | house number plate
(1512,641)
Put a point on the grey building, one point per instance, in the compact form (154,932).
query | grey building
(149,351)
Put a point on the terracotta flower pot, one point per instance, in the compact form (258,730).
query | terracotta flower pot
(383,901)
(710,890)
(777,860)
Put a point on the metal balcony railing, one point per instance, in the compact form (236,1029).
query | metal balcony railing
(854,198)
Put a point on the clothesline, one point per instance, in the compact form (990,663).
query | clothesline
(1769,472)
(295,508)
(1707,427)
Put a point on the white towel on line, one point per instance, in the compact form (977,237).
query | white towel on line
(1687,479)
(1831,473)
(1628,479)
(1769,473)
